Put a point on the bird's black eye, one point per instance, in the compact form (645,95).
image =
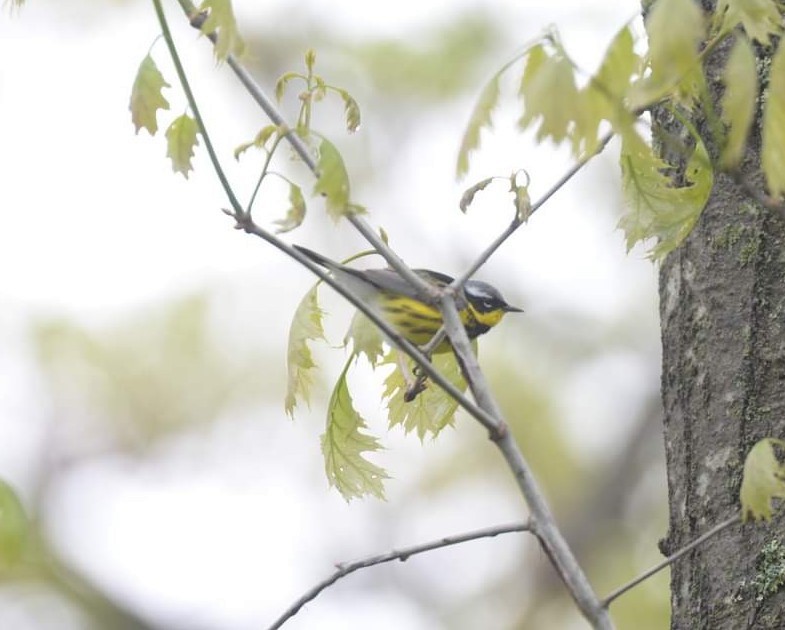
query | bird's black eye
(488,304)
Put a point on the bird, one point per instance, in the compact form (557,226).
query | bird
(410,311)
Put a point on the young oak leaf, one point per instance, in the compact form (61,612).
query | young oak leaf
(773,150)
(675,29)
(763,480)
(333,181)
(655,207)
(366,338)
(146,97)
(738,101)
(760,19)
(479,120)
(296,212)
(306,326)
(351,110)
(261,138)
(550,96)
(433,409)
(180,142)
(343,445)
(221,21)
(603,97)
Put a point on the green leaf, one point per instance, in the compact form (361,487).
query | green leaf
(480,119)
(296,212)
(306,326)
(146,97)
(763,480)
(655,207)
(351,110)
(550,96)
(222,22)
(773,150)
(759,18)
(283,81)
(618,66)
(343,445)
(265,133)
(603,98)
(468,196)
(523,203)
(181,140)
(14,528)
(310,60)
(433,409)
(738,101)
(366,338)
(333,181)
(675,29)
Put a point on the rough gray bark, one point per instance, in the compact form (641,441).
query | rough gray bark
(722,298)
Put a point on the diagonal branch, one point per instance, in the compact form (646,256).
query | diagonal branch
(736,518)
(542,521)
(517,222)
(196,19)
(486,410)
(403,555)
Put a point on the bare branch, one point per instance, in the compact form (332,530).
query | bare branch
(542,521)
(486,411)
(403,555)
(736,518)
(305,154)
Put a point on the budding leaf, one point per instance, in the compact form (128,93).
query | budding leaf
(146,96)
(763,480)
(759,18)
(738,100)
(675,29)
(468,196)
(181,140)
(366,338)
(773,149)
(222,22)
(433,409)
(656,208)
(306,326)
(343,446)
(550,96)
(296,212)
(480,119)
(333,181)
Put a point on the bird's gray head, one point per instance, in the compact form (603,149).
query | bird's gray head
(486,298)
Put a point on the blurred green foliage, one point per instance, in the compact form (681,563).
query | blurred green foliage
(141,380)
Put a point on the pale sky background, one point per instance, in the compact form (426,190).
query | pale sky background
(93,224)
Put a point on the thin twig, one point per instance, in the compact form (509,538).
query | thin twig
(403,555)
(486,411)
(516,222)
(196,19)
(542,521)
(671,559)
(246,223)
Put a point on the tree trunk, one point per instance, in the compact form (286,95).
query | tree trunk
(722,297)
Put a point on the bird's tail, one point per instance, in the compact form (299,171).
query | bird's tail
(317,258)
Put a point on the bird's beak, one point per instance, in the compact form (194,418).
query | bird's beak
(512,309)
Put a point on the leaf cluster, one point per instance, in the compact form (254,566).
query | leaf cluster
(345,441)
(662,204)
